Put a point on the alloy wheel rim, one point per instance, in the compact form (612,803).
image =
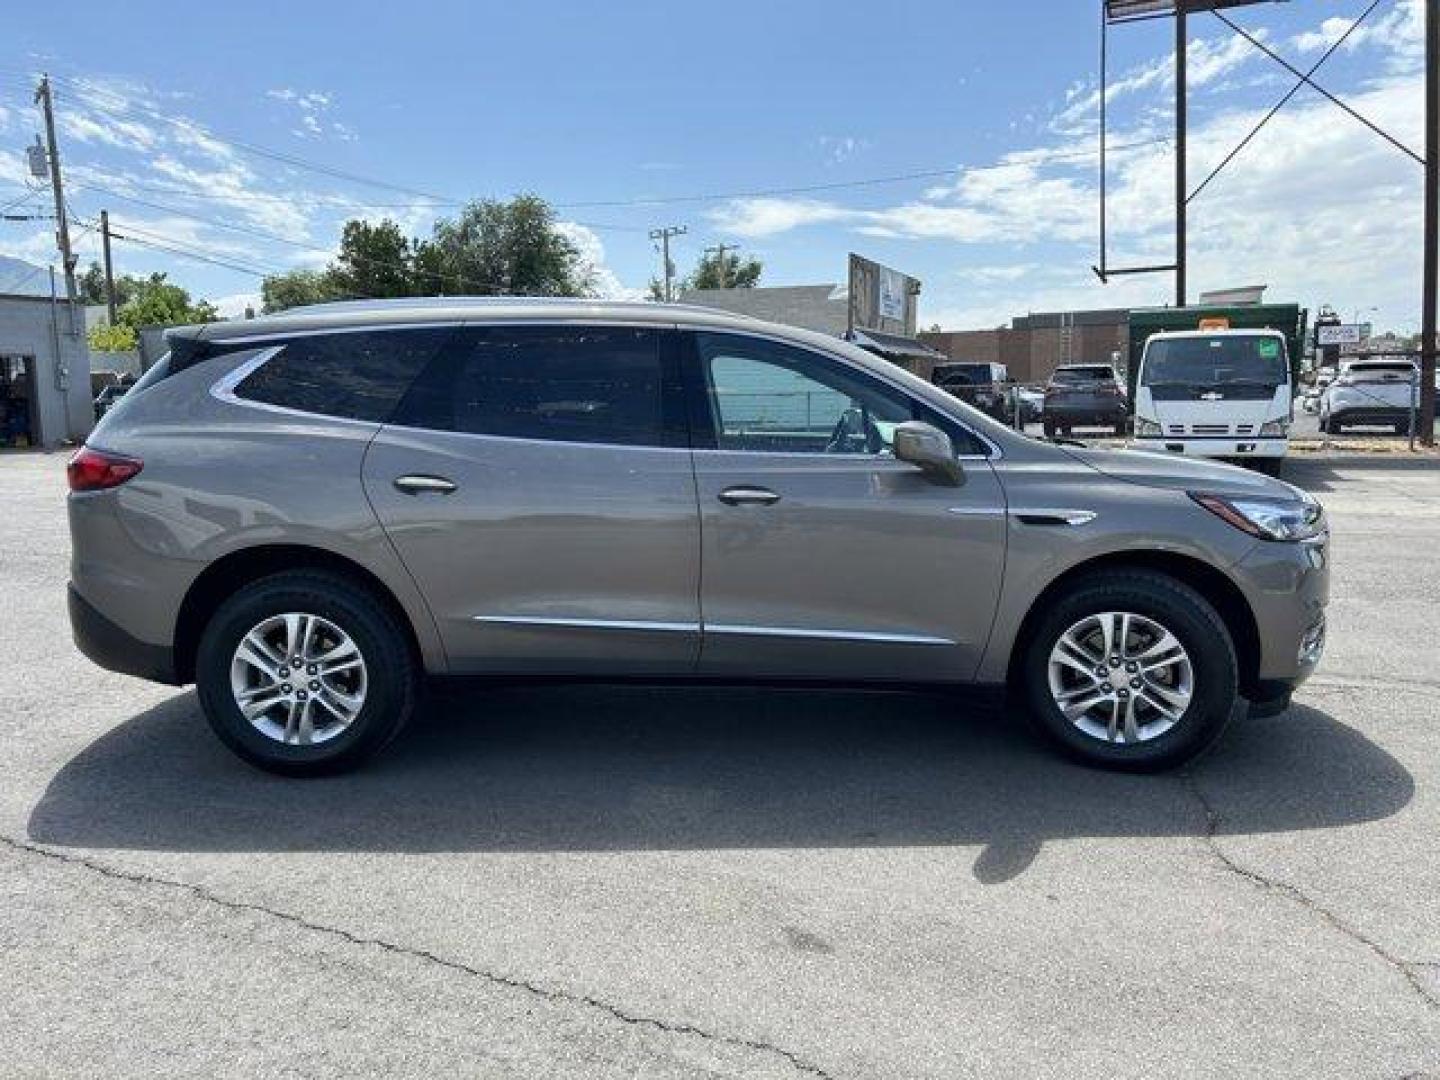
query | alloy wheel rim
(298,678)
(1121,677)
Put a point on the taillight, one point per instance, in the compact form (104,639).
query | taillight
(96,470)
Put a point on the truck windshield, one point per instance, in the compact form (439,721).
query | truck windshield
(1225,360)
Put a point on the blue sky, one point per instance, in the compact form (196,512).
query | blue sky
(590,104)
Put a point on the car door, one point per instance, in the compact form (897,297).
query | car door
(536,480)
(822,555)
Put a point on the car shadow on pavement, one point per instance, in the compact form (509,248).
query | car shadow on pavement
(585,768)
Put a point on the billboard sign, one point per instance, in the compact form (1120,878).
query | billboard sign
(1338,334)
(881,298)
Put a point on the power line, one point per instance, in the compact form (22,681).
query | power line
(124,105)
(924,174)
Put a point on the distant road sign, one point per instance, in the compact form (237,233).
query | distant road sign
(1341,334)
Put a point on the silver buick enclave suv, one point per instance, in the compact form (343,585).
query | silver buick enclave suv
(307,514)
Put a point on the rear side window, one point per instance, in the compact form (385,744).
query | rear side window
(586,384)
(356,376)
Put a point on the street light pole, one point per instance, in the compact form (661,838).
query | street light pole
(1181,41)
(1428,342)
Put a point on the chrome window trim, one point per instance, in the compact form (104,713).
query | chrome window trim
(996,451)
(224,388)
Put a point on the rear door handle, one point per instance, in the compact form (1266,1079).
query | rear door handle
(748,496)
(417,484)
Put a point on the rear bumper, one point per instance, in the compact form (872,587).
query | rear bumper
(1215,448)
(1060,413)
(1371,414)
(114,649)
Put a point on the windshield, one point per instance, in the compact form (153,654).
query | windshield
(1223,360)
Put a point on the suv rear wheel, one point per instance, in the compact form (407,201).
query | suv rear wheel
(1131,670)
(305,673)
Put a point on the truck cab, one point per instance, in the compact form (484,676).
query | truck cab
(1216,393)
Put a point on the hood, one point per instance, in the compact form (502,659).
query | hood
(1179,473)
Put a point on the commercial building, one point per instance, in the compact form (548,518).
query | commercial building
(44,372)
(1034,345)
(824,309)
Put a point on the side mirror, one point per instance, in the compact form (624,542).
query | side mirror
(930,450)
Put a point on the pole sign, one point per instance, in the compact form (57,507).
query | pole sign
(1338,334)
(881,298)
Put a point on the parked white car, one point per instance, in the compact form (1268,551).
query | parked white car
(1369,393)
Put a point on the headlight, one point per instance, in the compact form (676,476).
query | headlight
(1275,427)
(1146,427)
(1300,518)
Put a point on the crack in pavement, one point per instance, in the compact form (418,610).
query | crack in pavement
(1284,888)
(1332,682)
(495,978)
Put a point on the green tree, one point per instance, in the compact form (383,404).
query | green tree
(296,289)
(92,286)
(725,270)
(106,338)
(375,261)
(500,248)
(158,302)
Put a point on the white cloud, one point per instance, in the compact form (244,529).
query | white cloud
(592,255)
(311,107)
(1399,33)
(1316,206)
(841,148)
(233,306)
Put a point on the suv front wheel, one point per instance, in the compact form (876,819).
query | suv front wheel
(1131,670)
(305,673)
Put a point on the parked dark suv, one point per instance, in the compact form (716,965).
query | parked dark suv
(1085,395)
(306,514)
(985,386)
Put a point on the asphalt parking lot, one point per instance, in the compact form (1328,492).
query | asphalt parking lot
(599,882)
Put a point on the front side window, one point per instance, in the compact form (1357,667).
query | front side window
(587,384)
(770,397)
(360,375)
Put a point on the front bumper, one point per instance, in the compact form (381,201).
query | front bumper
(1287,586)
(113,648)
(1226,447)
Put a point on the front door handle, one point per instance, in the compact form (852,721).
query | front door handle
(417,484)
(748,496)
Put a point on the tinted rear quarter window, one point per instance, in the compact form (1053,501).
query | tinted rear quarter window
(360,375)
(587,384)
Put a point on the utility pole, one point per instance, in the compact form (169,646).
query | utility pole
(663,235)
(719,252)
(45,99)
(109,269)
(1181,42)
(1428,338)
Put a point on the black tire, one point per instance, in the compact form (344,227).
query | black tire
(1268,466)
(1049,429)
(392,671)
(1122,429)
(1179,609)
